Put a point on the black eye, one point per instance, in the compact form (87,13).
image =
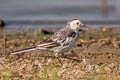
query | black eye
(77,23)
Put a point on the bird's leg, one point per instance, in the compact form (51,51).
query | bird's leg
(63,55)
(57,56)
(59,60)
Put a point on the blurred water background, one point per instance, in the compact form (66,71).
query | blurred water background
(53,14)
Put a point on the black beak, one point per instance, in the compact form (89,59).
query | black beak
(84,28)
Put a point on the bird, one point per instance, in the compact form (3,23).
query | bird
(61,41)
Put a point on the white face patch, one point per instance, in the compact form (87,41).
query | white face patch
(75,24)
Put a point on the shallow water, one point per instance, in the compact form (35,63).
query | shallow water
(54,14)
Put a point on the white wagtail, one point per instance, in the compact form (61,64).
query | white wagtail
(60,42)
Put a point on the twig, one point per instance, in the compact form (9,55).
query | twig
(63,57)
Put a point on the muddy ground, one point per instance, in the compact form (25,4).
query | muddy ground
(96,56)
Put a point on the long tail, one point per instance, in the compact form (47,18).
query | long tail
(24,50)
(40,47)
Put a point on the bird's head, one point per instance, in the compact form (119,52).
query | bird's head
(76,25)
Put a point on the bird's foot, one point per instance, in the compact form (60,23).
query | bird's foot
(59,60)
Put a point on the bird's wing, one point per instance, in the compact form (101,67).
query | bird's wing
(48,43)
(60,38)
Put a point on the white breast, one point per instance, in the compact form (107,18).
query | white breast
(68,47)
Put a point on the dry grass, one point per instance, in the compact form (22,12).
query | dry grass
(102,58)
